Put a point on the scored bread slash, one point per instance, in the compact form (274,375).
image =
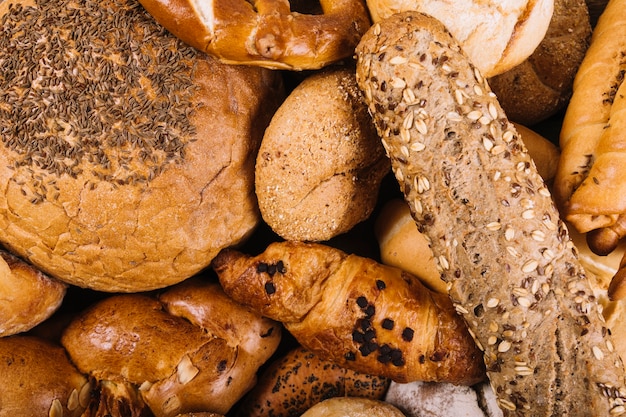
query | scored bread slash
(507,258)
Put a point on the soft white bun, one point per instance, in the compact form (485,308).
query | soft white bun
(496,35)
(352,407)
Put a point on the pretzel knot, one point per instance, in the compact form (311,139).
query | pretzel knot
(265,33)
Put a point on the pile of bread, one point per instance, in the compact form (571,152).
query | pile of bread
(199,217)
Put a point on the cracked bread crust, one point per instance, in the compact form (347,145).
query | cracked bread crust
(127,158)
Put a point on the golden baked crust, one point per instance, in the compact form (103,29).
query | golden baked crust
(38,379)
(266,33)
(354,311)
(29,296)
(127,162)
(191,349)
(321,163)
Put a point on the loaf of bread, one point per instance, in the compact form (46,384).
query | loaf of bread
(128,162)
(541,86)
(29,296)
(402,245)
(38,379)
(353,311)
(352,407)
(268,33)
(496,35)
(295,382)
(474,191)
(590,183)
(318,180)
(191,349)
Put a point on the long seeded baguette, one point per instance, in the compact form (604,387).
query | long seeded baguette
(507,258)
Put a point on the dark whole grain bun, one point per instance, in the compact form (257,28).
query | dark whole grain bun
(126,157)
(541,86)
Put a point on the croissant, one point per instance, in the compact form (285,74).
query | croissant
(354,311)
(590,184)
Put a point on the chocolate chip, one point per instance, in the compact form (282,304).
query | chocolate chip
(270,288)
(407,334)
(388,324)
(361,302)
(261,267)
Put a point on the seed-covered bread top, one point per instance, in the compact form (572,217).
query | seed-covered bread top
(126,157)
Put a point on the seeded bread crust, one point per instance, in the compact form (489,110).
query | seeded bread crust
(300,379)
(353,311)
(128,162)
(590,185)
(512,271)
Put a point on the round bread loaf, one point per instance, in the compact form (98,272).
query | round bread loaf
(126,157)
(352,407)
(38,379)
(29,296)
(320,163)
(541,86)
(496,35)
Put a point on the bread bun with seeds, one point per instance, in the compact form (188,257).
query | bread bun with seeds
(126,157)
(496,35)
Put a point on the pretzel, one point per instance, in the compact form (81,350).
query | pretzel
(265,32)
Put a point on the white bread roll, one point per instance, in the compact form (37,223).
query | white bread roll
(496,35)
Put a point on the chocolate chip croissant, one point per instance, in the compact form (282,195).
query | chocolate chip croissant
(354,311)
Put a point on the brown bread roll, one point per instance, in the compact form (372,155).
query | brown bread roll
(29,296)
(128,162)
(354,311)
(318,180)
(38,380)
(300,379)
(496,35)
(541,86)
(512,270)
(192,349)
